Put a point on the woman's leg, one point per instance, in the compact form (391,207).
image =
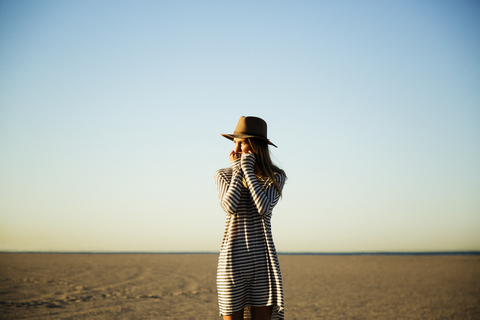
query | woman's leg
(235,316)
(261,313)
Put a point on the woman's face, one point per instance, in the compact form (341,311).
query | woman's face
(242,146)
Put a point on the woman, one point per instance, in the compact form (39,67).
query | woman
(248,276)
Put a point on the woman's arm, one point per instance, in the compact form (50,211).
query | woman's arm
(229,190)
(264,200)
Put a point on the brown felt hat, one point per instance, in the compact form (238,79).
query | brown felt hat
(250,127)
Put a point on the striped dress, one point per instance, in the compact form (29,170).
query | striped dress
(248,271)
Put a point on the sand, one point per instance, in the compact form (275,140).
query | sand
(161,286)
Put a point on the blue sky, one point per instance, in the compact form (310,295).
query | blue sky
(111,114)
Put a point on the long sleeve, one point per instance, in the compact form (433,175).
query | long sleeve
(229,188)
(265,200)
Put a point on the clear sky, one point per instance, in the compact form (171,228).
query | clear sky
(111,114)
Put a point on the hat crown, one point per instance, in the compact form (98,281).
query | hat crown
(251,126)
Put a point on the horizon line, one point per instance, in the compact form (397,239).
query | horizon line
(352,253)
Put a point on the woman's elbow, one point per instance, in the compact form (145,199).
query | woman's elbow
(228,209)
(263,210)
(264,207)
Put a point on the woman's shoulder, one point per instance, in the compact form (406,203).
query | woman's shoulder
(280,175)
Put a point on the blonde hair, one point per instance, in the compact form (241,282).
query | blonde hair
(263,163)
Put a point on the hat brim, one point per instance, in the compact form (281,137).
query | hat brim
(245,136)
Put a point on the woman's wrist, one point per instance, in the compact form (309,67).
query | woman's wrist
(236,164)
(247,161)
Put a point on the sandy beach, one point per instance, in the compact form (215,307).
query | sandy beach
(182,286)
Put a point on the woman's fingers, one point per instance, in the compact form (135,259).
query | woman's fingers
(234,156)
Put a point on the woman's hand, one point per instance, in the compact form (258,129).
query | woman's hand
(237,155)
(234,155)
